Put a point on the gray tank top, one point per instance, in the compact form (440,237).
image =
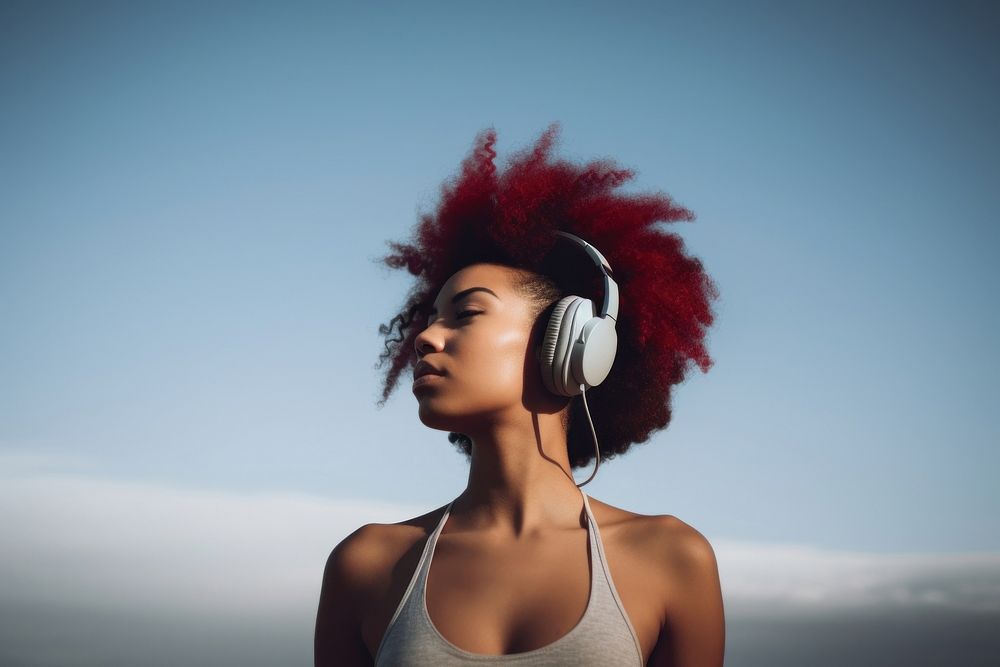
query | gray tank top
(604,636)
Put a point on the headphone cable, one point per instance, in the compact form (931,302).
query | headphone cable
(597,449)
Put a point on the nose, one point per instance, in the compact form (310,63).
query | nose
(426,341)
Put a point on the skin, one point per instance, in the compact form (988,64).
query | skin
(510,572)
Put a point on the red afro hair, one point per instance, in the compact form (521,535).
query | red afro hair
(509,217)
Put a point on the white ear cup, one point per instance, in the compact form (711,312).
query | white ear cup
(556,344)
(594,351)
(578,313)
(548,350)
(578,348)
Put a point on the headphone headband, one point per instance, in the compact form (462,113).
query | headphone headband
(609,308)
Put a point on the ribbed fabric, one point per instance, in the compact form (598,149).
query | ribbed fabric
(604,636)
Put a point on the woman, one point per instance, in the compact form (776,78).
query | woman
(523,567)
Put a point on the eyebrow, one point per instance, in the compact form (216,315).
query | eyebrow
(464,293)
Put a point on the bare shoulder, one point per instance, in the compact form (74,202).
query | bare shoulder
(348,574)
(361,559)
(694,615)
(686,560)
(678,575)
(680,543)
(678,548)
(355,579)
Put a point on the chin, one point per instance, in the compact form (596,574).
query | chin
(434,418)
(436,415)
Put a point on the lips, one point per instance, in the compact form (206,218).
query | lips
(423,368)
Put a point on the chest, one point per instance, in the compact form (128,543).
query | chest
(498,600)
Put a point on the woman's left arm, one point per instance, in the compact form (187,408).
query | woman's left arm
(694,629)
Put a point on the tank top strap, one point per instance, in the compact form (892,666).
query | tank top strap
(603,572)
(586,506)
(592,535)
(419,578)
(597,569)
(431,542)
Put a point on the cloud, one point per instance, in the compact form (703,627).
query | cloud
(113,545)
(763,578)
(790,604)
(100,571)
(107,572)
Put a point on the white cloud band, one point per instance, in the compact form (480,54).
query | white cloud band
(76,546)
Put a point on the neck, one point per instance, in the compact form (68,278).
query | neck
(520,481)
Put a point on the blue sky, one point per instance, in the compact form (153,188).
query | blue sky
(193,196)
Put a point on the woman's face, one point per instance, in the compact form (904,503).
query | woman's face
(479,337)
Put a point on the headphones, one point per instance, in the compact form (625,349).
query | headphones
(579,345)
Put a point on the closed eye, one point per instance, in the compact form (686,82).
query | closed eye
(461,315)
